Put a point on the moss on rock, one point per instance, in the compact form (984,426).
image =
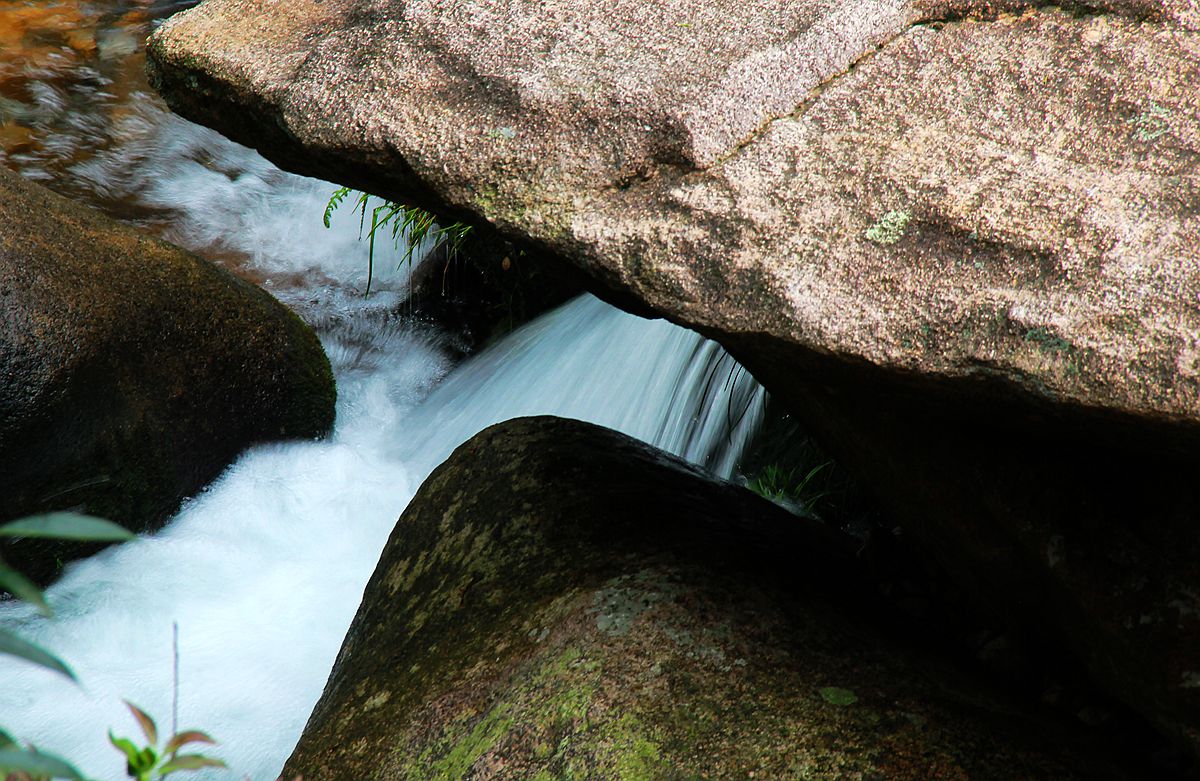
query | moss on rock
(562,602)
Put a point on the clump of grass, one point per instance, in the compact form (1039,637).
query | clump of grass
(790,486)
(416,226)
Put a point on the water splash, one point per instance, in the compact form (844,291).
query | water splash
(264,570)
(647,378)
(225,201)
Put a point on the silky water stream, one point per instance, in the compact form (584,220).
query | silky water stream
(264,570)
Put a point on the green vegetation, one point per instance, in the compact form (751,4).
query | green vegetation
(59,526)
(837,696)
(1055,346)
(789,485)
(1152,124)
(1048,341)
(28,764)
(19,763)
(890,228)
(786,465)
(495,724)
(415,226)
(150,762)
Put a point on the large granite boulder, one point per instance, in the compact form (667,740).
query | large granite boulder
(560,601)
(961,240)
(132,372)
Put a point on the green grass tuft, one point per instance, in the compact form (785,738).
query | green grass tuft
(789,486)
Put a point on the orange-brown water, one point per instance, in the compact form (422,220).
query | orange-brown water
(73,90)
(70,72)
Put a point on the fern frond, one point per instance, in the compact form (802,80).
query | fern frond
(335,201)
(414,225)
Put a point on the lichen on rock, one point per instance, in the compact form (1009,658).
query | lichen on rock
(562,602)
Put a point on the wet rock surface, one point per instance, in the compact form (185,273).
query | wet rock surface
(132,372)
(561,601)
(959,240)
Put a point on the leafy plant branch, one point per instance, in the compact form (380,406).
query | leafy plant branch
(150,762)
(27,763)
(415,226)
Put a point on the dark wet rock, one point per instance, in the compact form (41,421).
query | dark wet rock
(132,372)
(959,240)
(561,601)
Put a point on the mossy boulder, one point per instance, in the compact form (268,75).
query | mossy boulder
(560,601)
(959,239)
(132,372)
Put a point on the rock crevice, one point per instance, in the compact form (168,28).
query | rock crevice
(969,262)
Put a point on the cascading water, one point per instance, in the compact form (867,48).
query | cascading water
(264,570)
(650,379)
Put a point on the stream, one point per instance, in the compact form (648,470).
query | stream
(264,569)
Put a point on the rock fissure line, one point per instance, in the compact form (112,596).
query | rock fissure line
(995,198)
(936,23)
(1075,12)
(796,113)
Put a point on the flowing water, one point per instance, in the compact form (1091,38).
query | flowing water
(263,570)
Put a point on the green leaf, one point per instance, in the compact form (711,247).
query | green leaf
(126,747)
(144,721)
(361,206)
(15,645)
(22,588)
(183,738)
(147,759)
(811,474)
(836,696)
(189,762)
(6,740)
(36,763)
(371,248)
(335,201)
(67,526)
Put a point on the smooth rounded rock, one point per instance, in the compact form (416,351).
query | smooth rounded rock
(132,372)
(959,240)
(560,601)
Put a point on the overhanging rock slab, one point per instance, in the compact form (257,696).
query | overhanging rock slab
(961,240)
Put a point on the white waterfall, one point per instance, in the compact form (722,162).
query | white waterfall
(265,569)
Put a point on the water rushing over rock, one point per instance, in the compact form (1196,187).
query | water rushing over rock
(650,379)
(264,570)
(132,372)
(957,240)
